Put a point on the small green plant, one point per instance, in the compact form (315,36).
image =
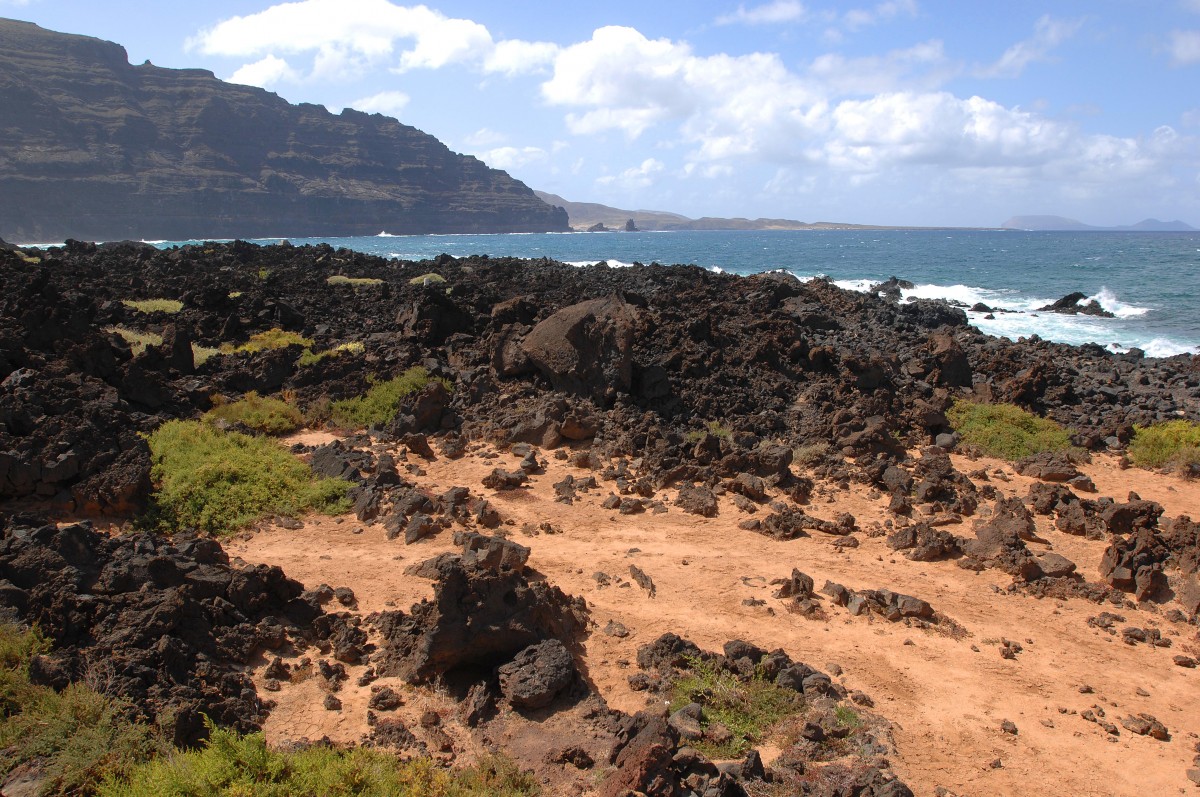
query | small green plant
(714,428)
(847,717)
(345,349)
(264,273)
(153,305)
(271,339)
(1172,443)
(234,294)
(221,481)
(261,413)
(427,279)
(202,354)
(138,341)
(354,282)
(244,766)
(749,709)
(1005,430)
(78,736)
(810,453)
(380,403)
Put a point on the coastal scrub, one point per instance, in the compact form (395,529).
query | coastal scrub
(1173,443)
(244,766)
(260,413)
(271,339)
(380,403)
(221,481)
(1005,430)
(170,306)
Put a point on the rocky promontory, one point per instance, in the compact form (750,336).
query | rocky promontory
(94,147)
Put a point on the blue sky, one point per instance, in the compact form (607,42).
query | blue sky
(895,112)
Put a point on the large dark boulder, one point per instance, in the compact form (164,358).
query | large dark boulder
(586,349)
(536,676)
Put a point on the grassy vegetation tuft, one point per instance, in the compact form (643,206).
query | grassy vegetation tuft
(309,357)
(748,709)
(233,766)
(262,413)
(380,403)
(427,279)
(714,428)
(221,481)
(138,341)
(354,282)
(271,339)
(1173,443)
(154,305)
(1006,431)
(78,736)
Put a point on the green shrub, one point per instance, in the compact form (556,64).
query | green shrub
(1172,443)
(354,282)
(221,481)
(310,358)
(138,341)
(79,736)
(714,428)
(263,413)
(748,709)
(381,402)
(233,766)
(154,305)
(427,279)
(202,354)
(1005,430)
(271,339)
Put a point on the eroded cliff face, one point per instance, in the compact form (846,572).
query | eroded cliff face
(92,147)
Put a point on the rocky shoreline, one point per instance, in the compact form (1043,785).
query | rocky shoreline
(753,392)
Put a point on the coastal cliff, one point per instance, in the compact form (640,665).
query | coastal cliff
(92,147)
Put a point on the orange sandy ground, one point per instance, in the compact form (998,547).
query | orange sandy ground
(947,697)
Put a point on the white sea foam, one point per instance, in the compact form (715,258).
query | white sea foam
(386,234)
(611,263)
(1109,301)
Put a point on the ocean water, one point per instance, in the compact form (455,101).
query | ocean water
(1149,281)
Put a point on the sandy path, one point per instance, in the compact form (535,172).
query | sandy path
(947,696)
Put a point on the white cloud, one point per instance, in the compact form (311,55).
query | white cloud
(766,14)
(388,103)
(641,176)
(857,18)
(1048,33)
(514,57)
(922,64)
(347,37)
(509,158)
(265,73)
(1184,46)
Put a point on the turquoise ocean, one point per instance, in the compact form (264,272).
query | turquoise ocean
(1149,281)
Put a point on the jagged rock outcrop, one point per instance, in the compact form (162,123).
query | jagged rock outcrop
(93,147)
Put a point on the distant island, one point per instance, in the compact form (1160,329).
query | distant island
(94,148)
(593,217)
(1063,224)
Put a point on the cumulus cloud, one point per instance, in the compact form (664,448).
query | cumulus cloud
(640,176)
(1048,34)
(766,14)
(857,18)
(1184,46)
(389,103)
(265,73)
(347,37)
(509,158)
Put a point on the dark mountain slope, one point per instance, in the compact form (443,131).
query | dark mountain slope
(94,148)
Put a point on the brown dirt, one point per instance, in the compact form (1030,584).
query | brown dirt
(947,696)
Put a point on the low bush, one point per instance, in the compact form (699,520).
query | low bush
(78,737)
(354,282)
(221,481)
(1168,444)
(380,403)
(233,766)
(1005,430)
(271,339)
(714,428)
(749,709)
(261,413)
(427,279)
(138,341)
(345,349)
(154,305)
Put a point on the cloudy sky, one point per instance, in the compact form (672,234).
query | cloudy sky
(910,112)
